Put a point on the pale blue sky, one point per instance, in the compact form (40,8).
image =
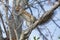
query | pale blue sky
(51,26)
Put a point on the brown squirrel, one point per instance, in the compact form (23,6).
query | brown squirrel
(27,17)
(31,19)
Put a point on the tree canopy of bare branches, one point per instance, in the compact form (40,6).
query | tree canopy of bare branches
(17,12)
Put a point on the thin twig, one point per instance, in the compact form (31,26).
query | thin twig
(3,23)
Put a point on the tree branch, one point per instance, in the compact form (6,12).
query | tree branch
(40,20)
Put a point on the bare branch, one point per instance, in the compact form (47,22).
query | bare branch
(41,33)
(55,23)
(16,34)
(57,4)
(3,23)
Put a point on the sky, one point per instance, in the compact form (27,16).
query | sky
(50,25)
